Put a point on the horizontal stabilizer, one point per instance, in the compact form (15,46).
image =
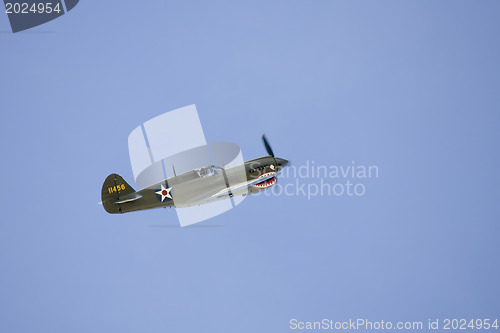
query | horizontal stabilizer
(128,198)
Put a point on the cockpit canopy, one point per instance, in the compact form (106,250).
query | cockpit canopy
(208,171)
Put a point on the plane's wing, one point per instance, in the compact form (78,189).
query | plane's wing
(241,186)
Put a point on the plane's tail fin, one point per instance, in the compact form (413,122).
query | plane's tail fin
(114,189)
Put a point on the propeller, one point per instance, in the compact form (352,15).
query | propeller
(280,163)
(267,145)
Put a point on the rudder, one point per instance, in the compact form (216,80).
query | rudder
(113,189)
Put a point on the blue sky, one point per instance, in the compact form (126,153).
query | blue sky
(408,86)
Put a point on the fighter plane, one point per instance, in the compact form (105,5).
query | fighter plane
(195,187)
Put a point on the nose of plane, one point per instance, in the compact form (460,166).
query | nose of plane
(281,162)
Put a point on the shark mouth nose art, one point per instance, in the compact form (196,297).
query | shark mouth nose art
(268,182)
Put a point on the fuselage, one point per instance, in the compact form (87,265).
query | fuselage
(203,185)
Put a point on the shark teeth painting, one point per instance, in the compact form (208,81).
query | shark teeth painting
(268,182)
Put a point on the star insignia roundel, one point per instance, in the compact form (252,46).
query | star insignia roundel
(163,192)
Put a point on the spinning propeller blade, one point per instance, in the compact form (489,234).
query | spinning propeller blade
(267,145)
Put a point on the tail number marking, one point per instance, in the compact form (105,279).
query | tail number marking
(117,188)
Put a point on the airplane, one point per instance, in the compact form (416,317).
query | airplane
(195,187)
